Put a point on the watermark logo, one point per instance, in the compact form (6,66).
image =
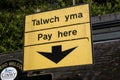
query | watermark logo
(8,73)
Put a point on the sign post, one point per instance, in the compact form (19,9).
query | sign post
(58,38)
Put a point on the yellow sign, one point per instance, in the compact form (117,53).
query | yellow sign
(58,38)
(57,18)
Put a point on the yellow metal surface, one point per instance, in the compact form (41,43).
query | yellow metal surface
(58,34)
(77,14)
(61,30)
(80,56)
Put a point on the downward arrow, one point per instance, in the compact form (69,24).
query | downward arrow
(57,53)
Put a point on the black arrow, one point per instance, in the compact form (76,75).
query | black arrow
(57,53)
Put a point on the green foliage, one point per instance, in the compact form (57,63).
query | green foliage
(11,28)
(101,7)
(12,14)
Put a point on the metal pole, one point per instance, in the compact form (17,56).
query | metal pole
(73,2)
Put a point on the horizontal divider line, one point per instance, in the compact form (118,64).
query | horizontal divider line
(57,41)
(56,27)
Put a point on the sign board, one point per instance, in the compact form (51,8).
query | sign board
(58,38)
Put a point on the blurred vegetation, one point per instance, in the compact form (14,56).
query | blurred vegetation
(12,14)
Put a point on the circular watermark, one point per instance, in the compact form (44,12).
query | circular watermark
(8,73)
